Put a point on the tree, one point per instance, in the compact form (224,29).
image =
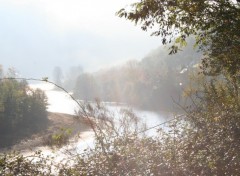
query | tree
(215,25)
(209,144)
(212,145)
(57,75)
(22,110)
(85,87)
(71,77)
(1,71)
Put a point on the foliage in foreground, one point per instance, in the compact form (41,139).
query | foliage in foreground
(203,142)
(215,25)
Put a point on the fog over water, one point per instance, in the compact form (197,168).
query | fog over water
(84,47)
(60,101)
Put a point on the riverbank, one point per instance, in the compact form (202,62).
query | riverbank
(56,122)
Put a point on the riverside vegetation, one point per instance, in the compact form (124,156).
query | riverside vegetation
(205,141)
(22,109)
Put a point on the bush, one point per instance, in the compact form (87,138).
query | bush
(59,138)
(203,142)
(22,110)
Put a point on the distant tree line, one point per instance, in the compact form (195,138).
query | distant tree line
(152,82)
(206,139)
(22,109)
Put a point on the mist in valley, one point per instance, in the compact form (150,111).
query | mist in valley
(98,56)
(157,81)
(126,87)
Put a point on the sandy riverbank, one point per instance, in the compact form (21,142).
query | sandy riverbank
(56,121)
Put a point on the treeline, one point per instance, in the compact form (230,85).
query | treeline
(205,140)
(22,109)
(153,82)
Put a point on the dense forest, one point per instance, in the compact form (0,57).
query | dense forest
(22,109)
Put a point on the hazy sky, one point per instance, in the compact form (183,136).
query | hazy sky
(37,35)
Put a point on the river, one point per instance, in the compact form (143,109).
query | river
(59,101)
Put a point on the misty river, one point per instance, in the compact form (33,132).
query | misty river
(61,102)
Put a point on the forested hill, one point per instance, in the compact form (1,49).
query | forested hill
(153,82)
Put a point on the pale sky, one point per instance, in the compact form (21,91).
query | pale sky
(37,35)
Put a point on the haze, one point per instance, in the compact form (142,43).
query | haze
(38,35)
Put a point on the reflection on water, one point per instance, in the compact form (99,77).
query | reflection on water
(61,102)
